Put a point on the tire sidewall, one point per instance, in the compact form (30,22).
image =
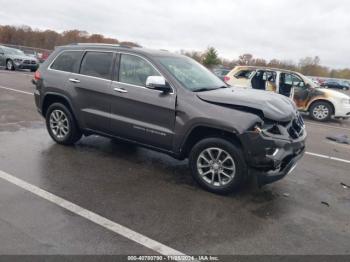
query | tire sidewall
(70,138)
(330,110)
(235,152)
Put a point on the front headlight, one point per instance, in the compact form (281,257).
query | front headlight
(345,101)
(17,60)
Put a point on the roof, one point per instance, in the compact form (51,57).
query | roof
(115,47)
(265,68)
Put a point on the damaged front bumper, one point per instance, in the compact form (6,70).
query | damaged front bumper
(273,156)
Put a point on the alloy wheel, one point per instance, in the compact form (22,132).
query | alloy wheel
(216,166)
(320,112)
(59,124)
(9,65)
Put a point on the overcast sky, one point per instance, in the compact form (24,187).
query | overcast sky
(283,29)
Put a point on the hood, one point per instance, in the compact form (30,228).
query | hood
(333,93)
(23,57)
(274,106)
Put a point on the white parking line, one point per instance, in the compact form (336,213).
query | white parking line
(16,90)
(328,157)
(15,73)
(93,217)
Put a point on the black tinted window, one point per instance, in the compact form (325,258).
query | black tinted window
(97,64)
(135,70)
(67,61)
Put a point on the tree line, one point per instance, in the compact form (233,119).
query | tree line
(48,39)
(309,66)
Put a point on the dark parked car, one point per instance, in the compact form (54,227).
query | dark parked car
(13,59)
(335,84)
(172,104)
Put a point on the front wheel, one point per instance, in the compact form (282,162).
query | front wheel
(217,165)
(321,111)
(61,125)
(9,65)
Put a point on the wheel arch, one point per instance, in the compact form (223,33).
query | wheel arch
(201,132)
(51,98)
(322,100)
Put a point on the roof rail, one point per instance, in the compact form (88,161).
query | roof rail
(101,44)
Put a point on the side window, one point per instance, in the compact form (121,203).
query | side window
(135,70)
(67,61)
(244,74)
(97,64)
(297,81)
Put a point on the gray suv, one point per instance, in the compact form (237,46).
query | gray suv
(13,59)
(172,104)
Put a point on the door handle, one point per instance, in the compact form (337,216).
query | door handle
(73,80)
(120,90)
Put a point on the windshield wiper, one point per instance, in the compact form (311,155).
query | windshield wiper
(203,89)
(208,89)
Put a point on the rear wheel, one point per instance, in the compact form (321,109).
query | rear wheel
(61,125)
(217,165)
(321,111)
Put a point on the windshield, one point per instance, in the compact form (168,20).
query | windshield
(13,51)
(192,75)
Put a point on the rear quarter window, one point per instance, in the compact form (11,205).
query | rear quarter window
(67,61)
(244,74)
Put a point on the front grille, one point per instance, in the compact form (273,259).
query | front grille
(28,62)
(297,126)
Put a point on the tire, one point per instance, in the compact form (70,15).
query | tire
(199,165)
(61,125)
(32,70)
(9,65)
(321,111)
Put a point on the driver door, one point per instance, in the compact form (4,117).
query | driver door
(139,113)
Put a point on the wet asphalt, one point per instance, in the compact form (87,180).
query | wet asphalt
(154,195)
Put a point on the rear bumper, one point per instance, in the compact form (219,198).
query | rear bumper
(271,158)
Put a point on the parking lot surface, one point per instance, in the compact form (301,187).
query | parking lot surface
(154,195)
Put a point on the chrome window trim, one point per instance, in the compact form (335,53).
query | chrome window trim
(154,67)
(61,52)
(109,80)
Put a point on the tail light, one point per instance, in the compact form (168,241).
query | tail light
(226,78)
(37,75)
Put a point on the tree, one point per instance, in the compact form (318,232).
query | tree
(210,58)
(245,59)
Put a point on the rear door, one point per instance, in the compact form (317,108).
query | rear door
(91,88)
(139,113)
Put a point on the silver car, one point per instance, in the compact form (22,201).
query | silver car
(13,59)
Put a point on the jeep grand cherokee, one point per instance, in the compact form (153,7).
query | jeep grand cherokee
(172,104)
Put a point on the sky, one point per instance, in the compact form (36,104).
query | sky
(282,29)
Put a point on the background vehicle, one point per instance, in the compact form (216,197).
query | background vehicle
(321,103)
(221,72)
(335,84)
(172,104)
(13,59)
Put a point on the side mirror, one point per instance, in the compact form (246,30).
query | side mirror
(158,83)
